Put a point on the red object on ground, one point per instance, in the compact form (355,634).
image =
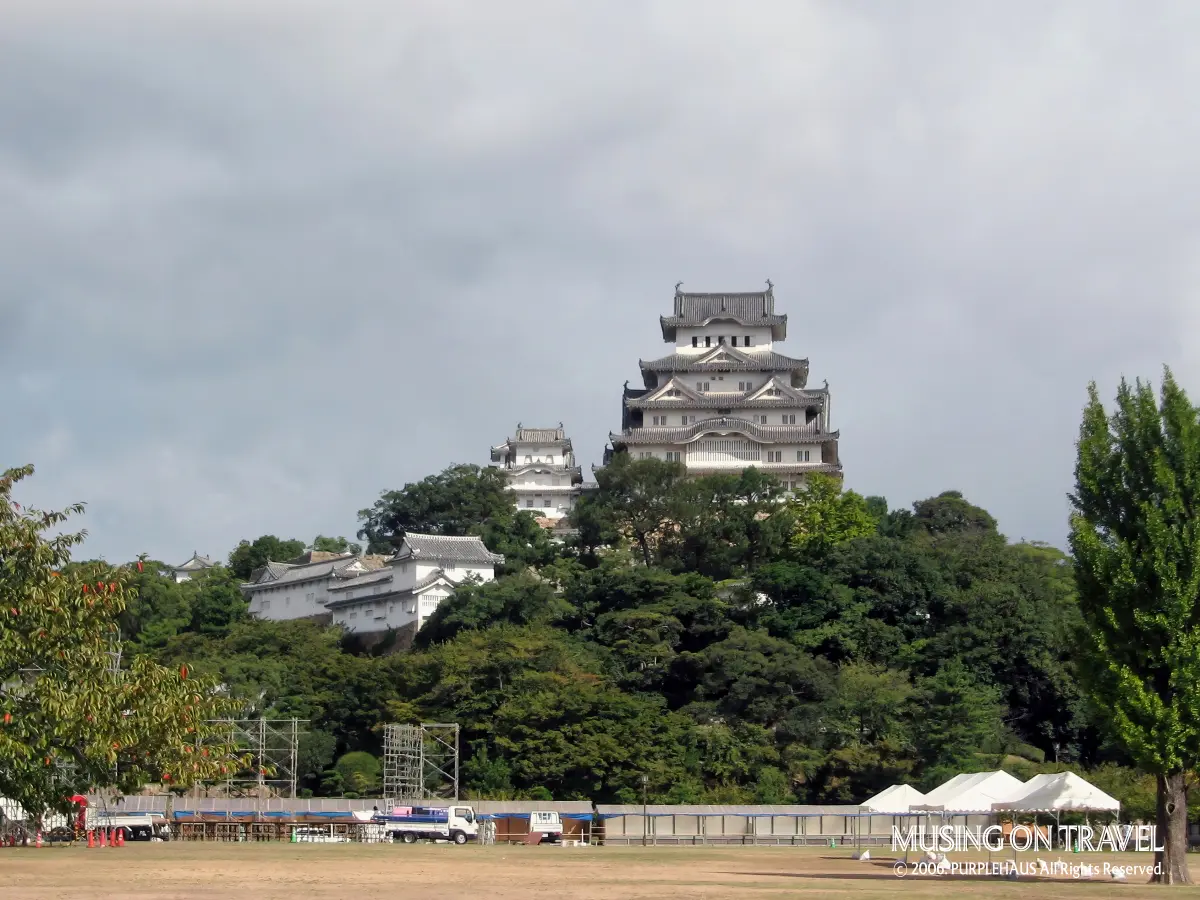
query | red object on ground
(102,836)
(91,838)
(38,842)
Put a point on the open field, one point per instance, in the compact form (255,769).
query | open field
(195,871)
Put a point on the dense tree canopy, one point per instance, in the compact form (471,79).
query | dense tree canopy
(728,641)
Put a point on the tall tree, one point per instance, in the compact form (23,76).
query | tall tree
(72,718)
(1135,534)
(637,498)
(249,555)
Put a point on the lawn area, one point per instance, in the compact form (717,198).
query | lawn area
(200,871)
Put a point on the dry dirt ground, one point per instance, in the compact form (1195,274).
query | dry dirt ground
(196,871)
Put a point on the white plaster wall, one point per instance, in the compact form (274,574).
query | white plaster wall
(538,453)
(760,338)
(294,600)
(390,613)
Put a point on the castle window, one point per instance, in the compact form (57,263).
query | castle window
(707,341)
(672,456)
(802,455)
(747,344)
(695,341)
(774,456)
(762,420)
(660,420)
(734,340)
(789,419)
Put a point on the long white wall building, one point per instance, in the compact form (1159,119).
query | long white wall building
(404,593)
(299,589)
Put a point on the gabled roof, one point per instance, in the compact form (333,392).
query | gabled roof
(757,398)
(196,562)
(443,548)
(724,358)
(543,436)
(275,574)
(895,800)
(754,309)
(1064,792)
(974,793)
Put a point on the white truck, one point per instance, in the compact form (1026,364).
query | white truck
(409,824)
(547,824)
(137,826)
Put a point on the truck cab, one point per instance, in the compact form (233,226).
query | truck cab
(546,823)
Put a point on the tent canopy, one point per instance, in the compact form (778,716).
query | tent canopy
(974,793)
(895,800)
(1064,792)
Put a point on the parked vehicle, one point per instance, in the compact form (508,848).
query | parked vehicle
(409,824)
(136,826)
(547,824)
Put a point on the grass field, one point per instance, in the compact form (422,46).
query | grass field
(196,871)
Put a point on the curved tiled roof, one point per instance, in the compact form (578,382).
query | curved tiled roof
(755,308)
(758,361)
(774,434)
(444,548)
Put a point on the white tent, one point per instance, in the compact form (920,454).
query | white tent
(896,800)
(976,793)
(1064,792)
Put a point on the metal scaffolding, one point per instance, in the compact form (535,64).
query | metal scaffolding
(420,763)
(273,747)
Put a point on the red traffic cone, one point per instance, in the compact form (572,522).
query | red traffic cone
(38,842)
(103,837)
(120,837)
(91,838)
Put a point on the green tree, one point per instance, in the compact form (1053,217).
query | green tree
(517,600)
(1135,535)
(71,719)
(460,500)
(249,555)
(335,545)
(359,773)
(954,719)
(636,499)
(825,515)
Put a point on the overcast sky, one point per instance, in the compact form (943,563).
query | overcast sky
(260,261)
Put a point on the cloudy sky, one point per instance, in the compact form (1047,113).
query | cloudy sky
(260,261)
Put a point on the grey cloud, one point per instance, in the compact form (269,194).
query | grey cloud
(281,257)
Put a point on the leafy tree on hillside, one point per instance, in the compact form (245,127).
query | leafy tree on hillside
(70,720)
(520,600)
(461,500)
(825,515)
(1135,533)
(249,555)
(638,500)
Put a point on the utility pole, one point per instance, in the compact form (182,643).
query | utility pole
(645,810)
